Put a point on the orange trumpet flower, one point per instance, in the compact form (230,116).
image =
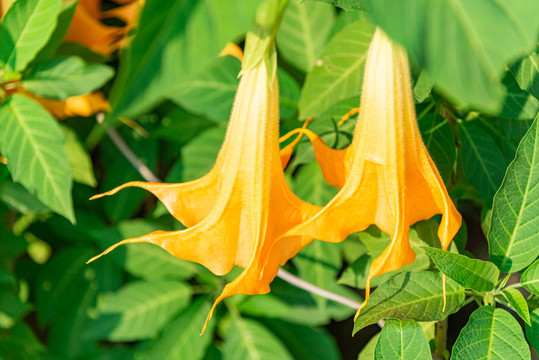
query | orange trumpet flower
(386,175)
(87,29)
(237,213)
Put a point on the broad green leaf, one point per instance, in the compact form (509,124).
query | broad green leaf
(346,4)
(63,77)
(309,185)
(438,139)
(180,338)
(12,309)
(422,87)
(289,303)
(63,21)
(518,104)
(515,215)
(198,157)
(33,142)
(65,335)
(61,283)
(532,331)
(25,29)
(139,310)
(174,44)
(414,295)
(526,71)
(483,161)
(303,342)
(338,73)
(495,129)
(402,340)
(367,353)
(466,62)
(422,234)
(530,278)
(180,127)
(303,32)
(249,339)
(118,170)
(79,159)
(289,93)
(20,342)
(212,93)
(517,301)
(17,197)
(146,261)
(491,334)
(473,274)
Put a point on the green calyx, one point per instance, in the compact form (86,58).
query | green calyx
(260,42)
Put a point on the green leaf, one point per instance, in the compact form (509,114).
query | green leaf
(200,154)
(20,342)
(491,334)
(518,104)
(367,353)
(63,21)
(17,197)
(422,87)
(484,36)
(339,73)
(517,301)
(249,339)
(309,185)
(139,310)
(303,33)
(174,44)
(438,139)
(526,72)
(79,159)
(483,161)
(33,142)
(515,214)
(11,308)
(532,331)
(212,93)
(61,283)
(346,4)
(289,93)
(402,340)
(414,295)
(63,77)
(25,29)
(303,342)
(180,338)
(530,278)
(473,274)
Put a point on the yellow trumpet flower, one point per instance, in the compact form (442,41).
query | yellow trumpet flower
(386,176)
(236,214)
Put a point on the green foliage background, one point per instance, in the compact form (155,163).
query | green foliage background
(476,73)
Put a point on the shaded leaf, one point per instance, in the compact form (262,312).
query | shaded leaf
(491,334)
(402,340)
(79,159)
(414,295)
(25,29)
(473,274)
(518,104)
(438,138)
(483,161)
(532,331)
(63,77)
(526,72)
(515,215)
(346,4)
(33,142)
(17,197)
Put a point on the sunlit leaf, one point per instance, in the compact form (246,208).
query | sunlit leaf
(402,340)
